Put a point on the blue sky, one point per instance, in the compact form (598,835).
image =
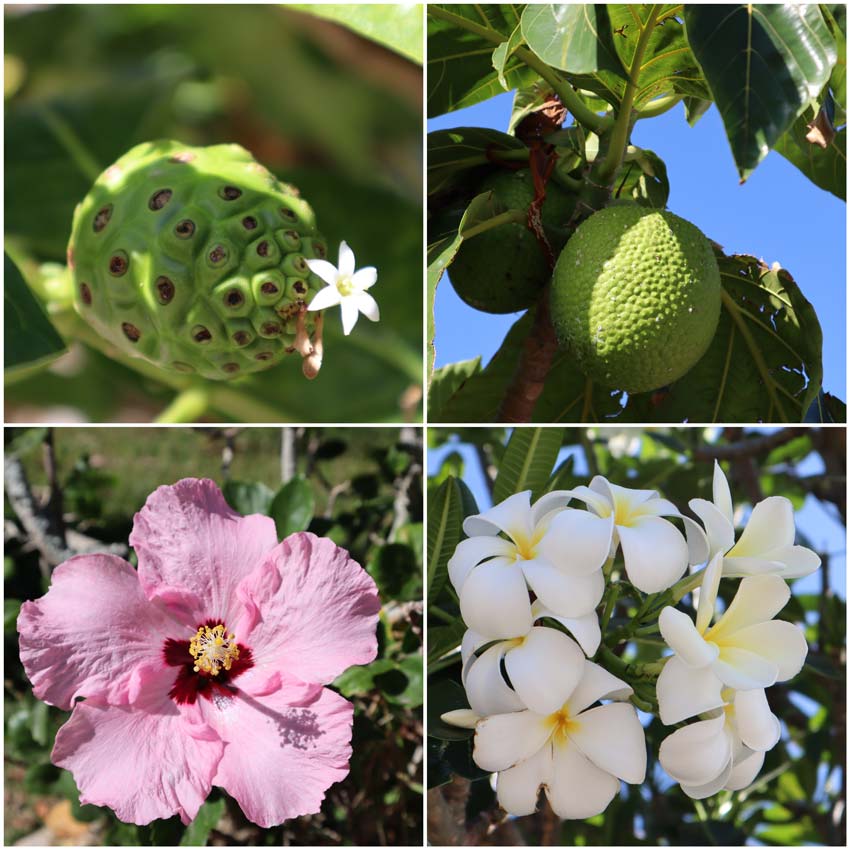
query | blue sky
(777,215)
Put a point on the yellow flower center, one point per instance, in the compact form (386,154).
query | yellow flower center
(526,546)
(213,650)
(562,725)
(345,286)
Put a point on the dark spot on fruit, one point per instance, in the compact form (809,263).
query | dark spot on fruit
(234,298)
(263,249)
(131,332)
(165,289)
(249,222)
(118,264)
(301,264)
(85,293)
(320,250)
(229,193)
(288,214)
(102,217)
(263,355)
(271,329)
(293,235)
(300,287)
(290,349)
(218,254)
(186,156)
(182,367)
(230,367)
(269,288)
(160,199)
(241,337)
(185,228)
(201,334)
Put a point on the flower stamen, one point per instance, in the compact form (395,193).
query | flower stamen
(213,650)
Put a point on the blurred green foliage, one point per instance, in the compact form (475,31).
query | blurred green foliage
(359,487)
(799,796)
(334,112)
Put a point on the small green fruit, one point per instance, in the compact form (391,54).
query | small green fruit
(636,297)
(195,259)
(504,269)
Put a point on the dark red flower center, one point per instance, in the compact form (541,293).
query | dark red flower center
(208,662)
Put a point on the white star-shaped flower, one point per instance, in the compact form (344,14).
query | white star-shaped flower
(346,288)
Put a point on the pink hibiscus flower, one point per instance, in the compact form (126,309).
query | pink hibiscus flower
(206,665)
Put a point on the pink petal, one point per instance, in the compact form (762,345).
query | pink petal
(192,544)
(281,758)
(309,610)
(91,630)
(143,763)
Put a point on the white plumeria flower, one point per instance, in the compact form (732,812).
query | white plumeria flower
(346,288)
(726,750)
(745,649)
(655,553)
(558,552)
(578,753)
(544,667)
(767,543)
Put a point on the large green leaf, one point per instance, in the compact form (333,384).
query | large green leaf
(205,822)
(460,63)
(446,381)
(763,64)
(293,506)
(394,25)
(30,339)
(527,462)
(445,516)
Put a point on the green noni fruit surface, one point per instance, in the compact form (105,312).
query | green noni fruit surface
(504,269)
(636,297)
(195,259)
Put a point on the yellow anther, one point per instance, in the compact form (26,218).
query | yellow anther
(213,651)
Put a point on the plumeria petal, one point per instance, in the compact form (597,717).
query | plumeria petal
(744,670)
(756,723)
(367,305)
(718,528)
(584,629)
(549,503)
(771,524)
(503,740)
(349,315)
(494,600)
(720,493)
(578,542)
(469,644)
(709,789)
(758,598)
(325,298)
(655,553)
(518,787)
(786,561)
(512,516)
(779,642)
(545,669)
(744,771)
(612,738)
(578,788)
(698,753)
(708,593)
(685,691)
(596,684)
(325,270)
(465,718)
(627,499)
(365,278)
(681,635)
(486,689)
(471,552)
(568,596)
(346,260)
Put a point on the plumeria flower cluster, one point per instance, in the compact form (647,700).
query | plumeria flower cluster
(530,578)
(205,666)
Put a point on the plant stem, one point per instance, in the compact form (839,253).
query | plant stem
(571,99)
(507,217)
(71,142)
(439,614)
(623,123)
(188,406)
(610,602)
(658,107)
(684,586)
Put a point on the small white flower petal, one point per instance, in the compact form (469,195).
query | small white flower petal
(625,499)
(545,669)
(757,725)
(655,553)
(568,596)
(744,670)
(744,771)
(367,305)
(487,691)
(685,692)
(346,260)
(708,593)
(681,635)
(709,789)
(511,513)
(596,684)
(503,740)
(325,270)
(518,787)
(612,738)
(718,529)
(494,600)
(698,549)
(471,552)
(720,494)
(471,641)
(600,503)
(771,524)
(463,717)
(786,561)
(698,753)
(777,641)
(584,629)
(349,315)
(325,298)
(578,542)
(758,599)
(365,278)
(548,503)
(578,788)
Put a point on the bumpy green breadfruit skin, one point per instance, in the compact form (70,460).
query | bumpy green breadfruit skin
(636,297)
(194,258)
(504,269)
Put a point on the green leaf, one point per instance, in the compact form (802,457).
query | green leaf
(503,53)
(443,639)
(40,723)
(396,572)
(198,832)
(446,695)
(394,25)
(361,680)
(445,519)
(30,338)
(695,108)
(446,381)
(527,462)
(460,63)
(836,19)
(293,507)
(575,37)
(644,180)
(764,64)
(248,497)
(11,609)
